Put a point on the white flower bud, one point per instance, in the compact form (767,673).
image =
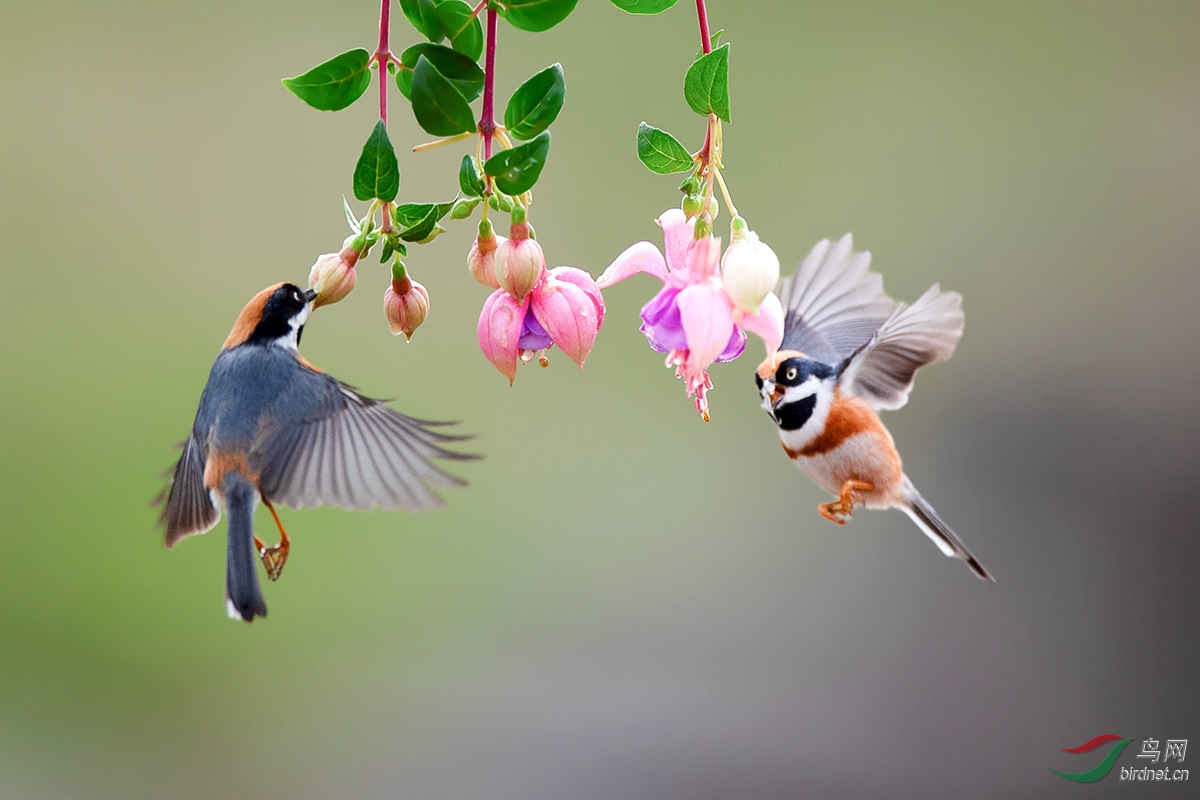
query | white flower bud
(749,269)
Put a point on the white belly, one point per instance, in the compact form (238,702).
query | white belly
(869,457)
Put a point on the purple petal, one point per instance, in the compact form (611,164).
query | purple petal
(661,321)
(533,335)
(737,343)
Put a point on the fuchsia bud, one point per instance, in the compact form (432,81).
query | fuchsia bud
(519,262)
(749,268)
(405,304)
(333,276)
(482,258)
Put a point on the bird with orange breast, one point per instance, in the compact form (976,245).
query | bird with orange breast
(273,427)
(849,350)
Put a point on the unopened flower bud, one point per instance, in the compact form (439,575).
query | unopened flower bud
(519,262)
(482,258)
(333,276)
(691,206)
(405,304)
(749,268)
(501,202)
(463,207)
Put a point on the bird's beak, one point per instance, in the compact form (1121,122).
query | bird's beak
(777,393)
(309,295)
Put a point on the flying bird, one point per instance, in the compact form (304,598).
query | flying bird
(848,351)
(273,427)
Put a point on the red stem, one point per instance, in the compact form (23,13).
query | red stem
(383,55)
(706,46)
(705,39)
(487,124)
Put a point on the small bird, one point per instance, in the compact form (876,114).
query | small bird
(273,427)
(849,350)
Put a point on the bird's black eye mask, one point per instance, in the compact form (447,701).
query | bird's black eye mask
(796,371)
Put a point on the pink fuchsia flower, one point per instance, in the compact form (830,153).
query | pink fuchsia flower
(693,319)
(565,308)
(405,304)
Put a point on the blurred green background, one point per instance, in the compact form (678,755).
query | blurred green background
(626,602)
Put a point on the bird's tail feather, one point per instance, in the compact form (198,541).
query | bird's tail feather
(947,540)
(243,597)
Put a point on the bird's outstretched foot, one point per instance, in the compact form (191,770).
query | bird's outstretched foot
(274,557)
(839,510)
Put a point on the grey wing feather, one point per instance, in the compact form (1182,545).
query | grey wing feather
(361,456)
(189,508)
(833,304)
(926,332)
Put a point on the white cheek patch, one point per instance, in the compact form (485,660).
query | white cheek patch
(809,387)
(292,340)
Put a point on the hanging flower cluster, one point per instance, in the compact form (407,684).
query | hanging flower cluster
(709,299)
(533,308)
(701,314)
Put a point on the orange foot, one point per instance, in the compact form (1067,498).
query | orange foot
(839,510)
(274,557)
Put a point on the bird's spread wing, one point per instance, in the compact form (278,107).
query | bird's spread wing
(356,454)
(833,304)
(882,371)
(189,508)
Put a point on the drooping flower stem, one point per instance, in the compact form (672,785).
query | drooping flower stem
(705,39)
(706,47)
(383,55)
(710,158)
(487,121)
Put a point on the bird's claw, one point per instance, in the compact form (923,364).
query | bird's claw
(835,512)
(273,559)
(840,510)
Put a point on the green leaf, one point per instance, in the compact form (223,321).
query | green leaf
(423,16)
(536,15)
(712,43)
(536,103)
(706,87)
(377,173)
(468,177)
(661,152)
(335,84)
(437,105)
(462,29)
(417,220)
(644,6)
(517,170)
(455,67)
